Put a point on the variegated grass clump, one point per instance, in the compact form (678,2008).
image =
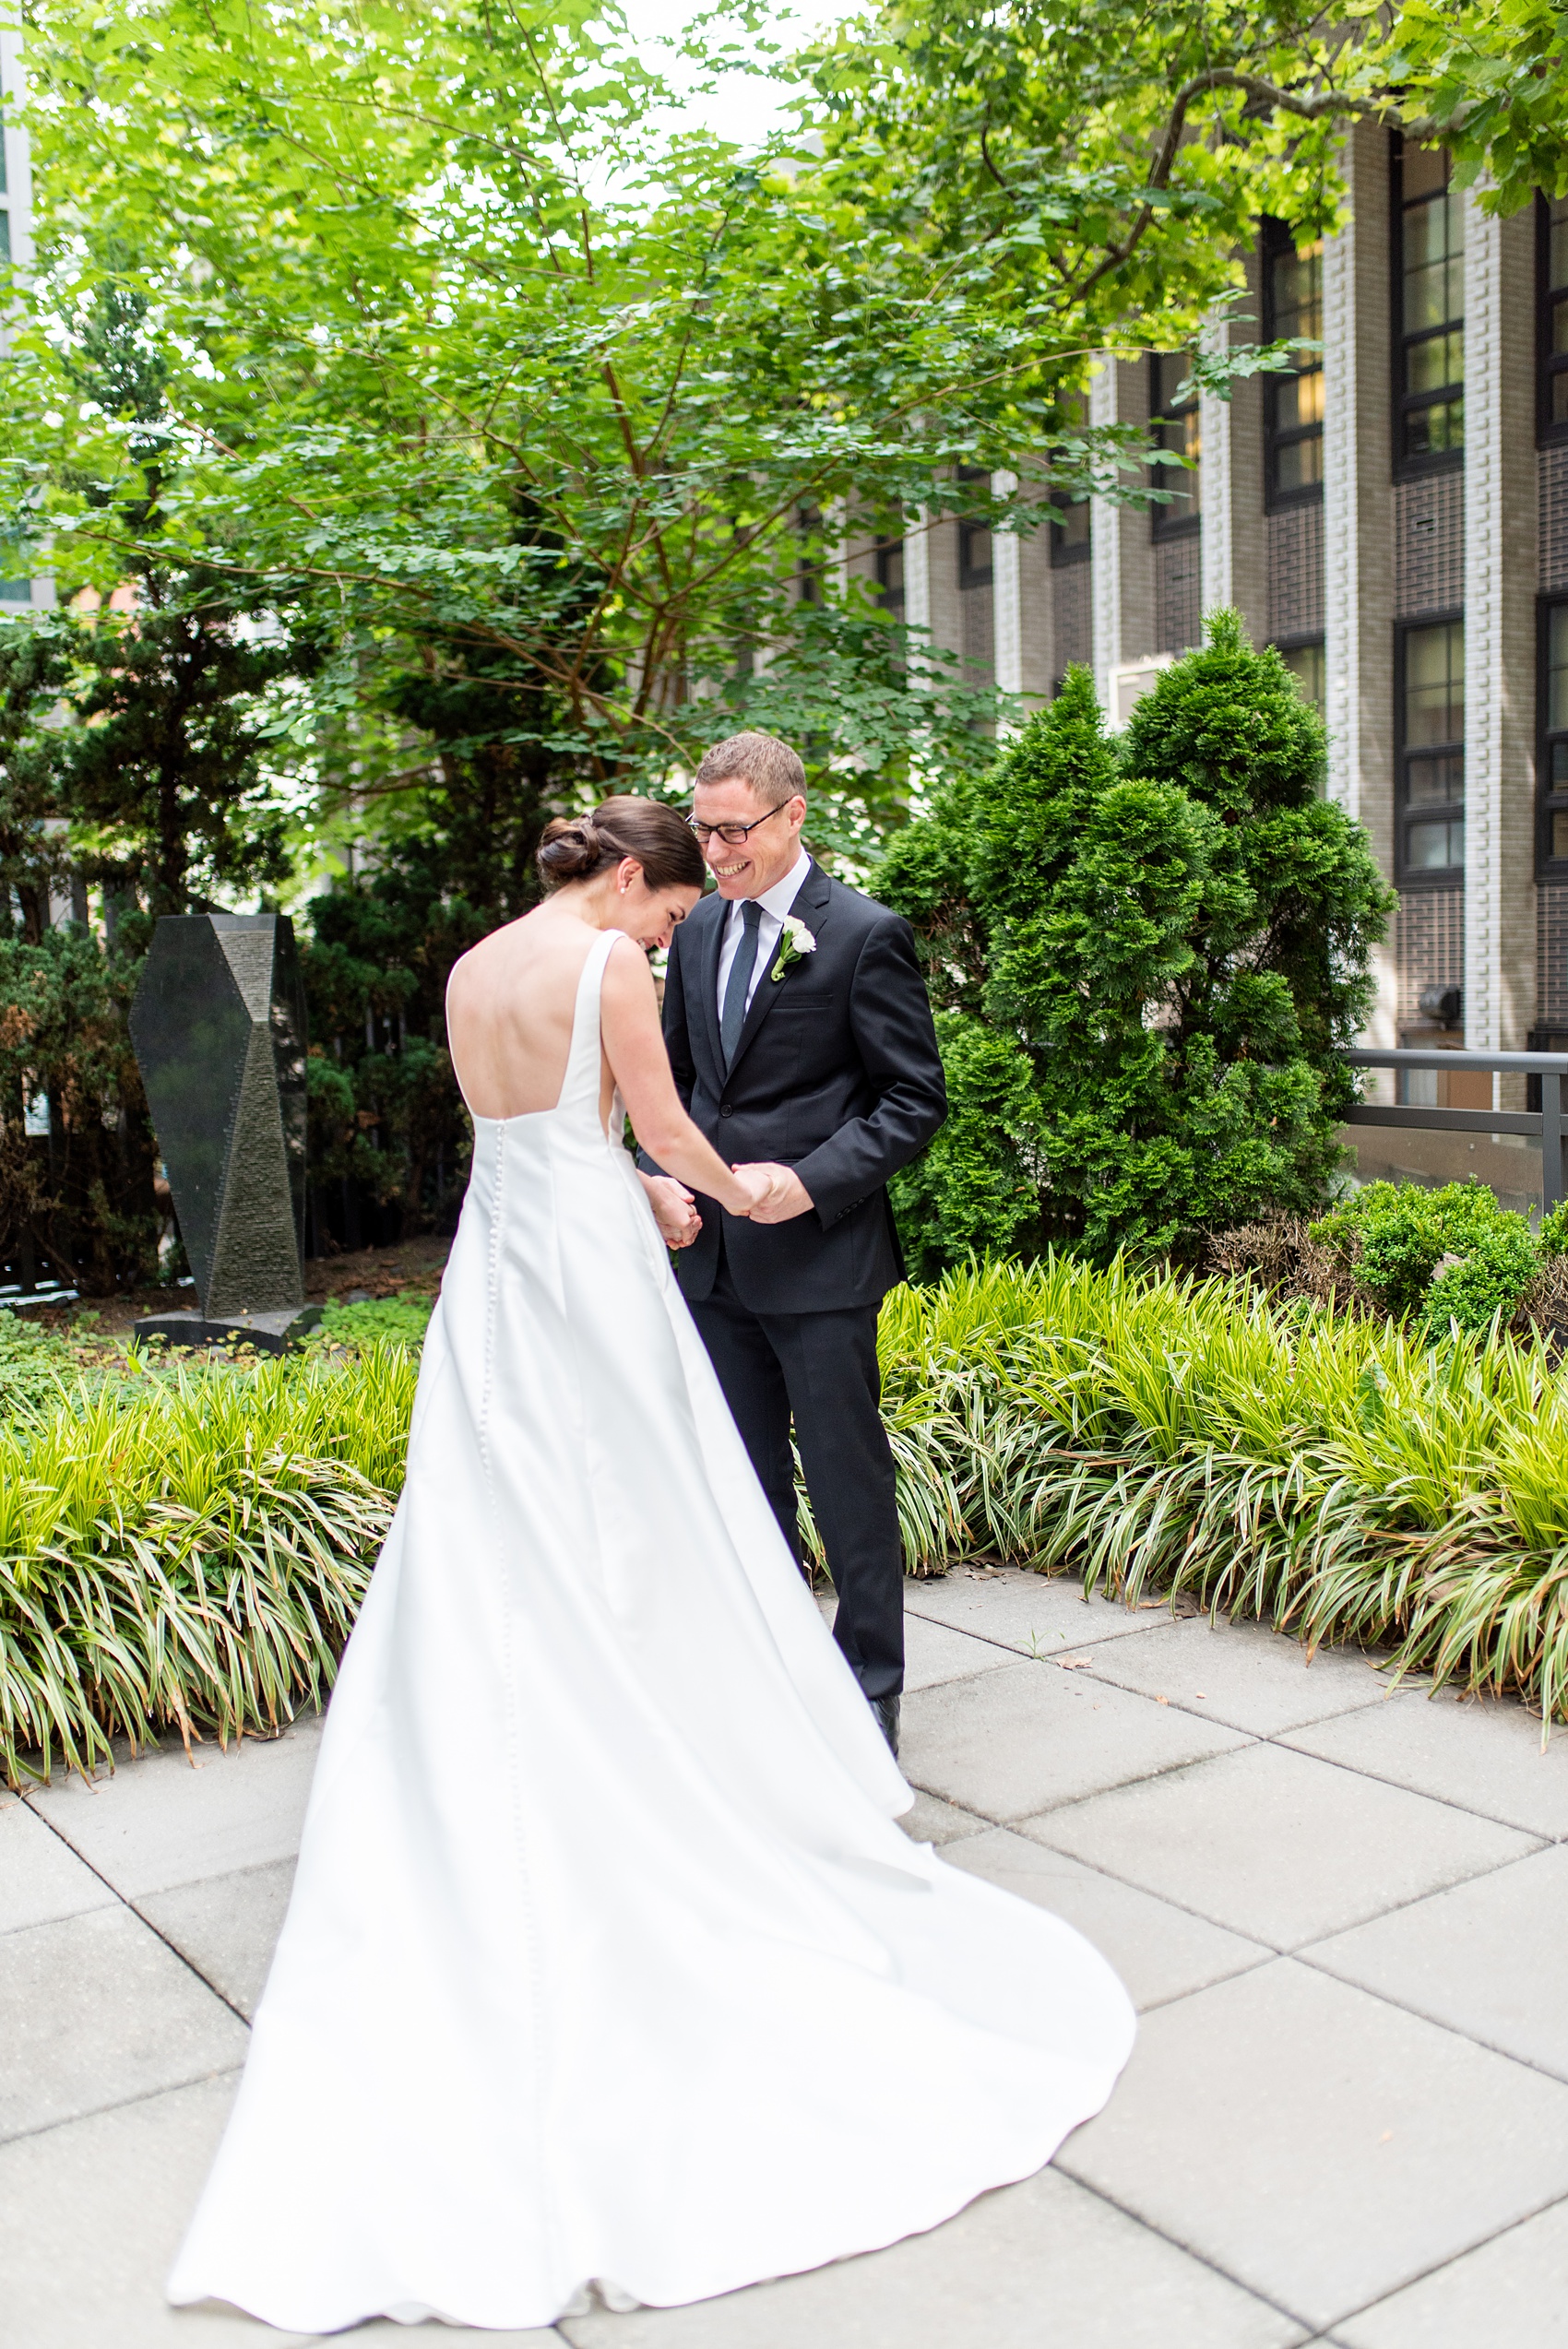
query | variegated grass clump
(193,1560)
(1336,1475)
(193,1557)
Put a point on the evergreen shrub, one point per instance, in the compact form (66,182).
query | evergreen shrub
(1448,1256)
(1145,954)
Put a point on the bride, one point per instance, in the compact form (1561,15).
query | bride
(606,1967)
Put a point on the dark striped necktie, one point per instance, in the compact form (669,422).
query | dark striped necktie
(733,1016)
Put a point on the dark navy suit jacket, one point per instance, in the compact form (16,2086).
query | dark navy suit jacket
(837,1074)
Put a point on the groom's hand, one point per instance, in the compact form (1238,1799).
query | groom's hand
(674,1210)
(786,1195)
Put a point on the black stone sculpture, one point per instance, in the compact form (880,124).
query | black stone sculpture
(218,1027)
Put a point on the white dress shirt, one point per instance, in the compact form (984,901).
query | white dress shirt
(775,903)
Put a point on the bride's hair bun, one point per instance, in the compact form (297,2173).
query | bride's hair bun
(654,835)
(570,850)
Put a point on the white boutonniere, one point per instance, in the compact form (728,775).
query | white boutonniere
(795,942)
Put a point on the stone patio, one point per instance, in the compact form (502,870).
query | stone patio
(1343,1913)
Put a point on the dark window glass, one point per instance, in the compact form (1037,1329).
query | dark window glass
(1293,302)
(1432,747)
(1070,532)
(890,574)
(1174,424)
(1552,766)
(1429,299)
(974,554)
(1307,665)
(974,538)
(1552,255)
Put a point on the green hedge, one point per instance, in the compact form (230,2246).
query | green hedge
(193,1556)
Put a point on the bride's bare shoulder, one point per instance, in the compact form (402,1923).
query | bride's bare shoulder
(531,948)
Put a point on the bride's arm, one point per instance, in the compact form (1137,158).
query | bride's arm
(635,1049)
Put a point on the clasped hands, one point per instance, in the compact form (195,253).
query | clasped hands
(778,1195)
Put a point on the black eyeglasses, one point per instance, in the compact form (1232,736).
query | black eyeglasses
(732,835)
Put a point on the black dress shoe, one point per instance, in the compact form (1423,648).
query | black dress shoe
(887,1711)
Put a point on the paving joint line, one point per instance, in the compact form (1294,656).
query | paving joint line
(120,2104)
(127,1903)
(1386,1997)
(1188,2251)
(1347,2316)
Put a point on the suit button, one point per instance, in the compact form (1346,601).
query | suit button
(725,1110)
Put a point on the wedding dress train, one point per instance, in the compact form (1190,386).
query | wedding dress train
(605,1960)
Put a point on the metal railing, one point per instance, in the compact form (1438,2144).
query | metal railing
(1543,1125)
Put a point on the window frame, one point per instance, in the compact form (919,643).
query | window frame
(1273,245)
(1408,876)
(1406,404)
(1548,802)
(1298,641)
(1064,553)
(890,598)
(1548,362)
(1173,521)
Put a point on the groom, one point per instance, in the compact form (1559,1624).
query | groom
(800,1037)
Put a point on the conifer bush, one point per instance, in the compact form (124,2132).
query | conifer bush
(1145,952)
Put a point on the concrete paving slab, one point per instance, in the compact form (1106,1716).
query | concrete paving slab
(1012,1742)
(106,2201)
(934,1653)
(1486,1958)
(41,1878)
(1242,1673)
(1160,1952)
(170,1821)
(1278,1845)
(226,1927)
(1509,2292)
(94,2010)
(1321,2147)
(931,1821)
(1036,2263)
(1481,1752)
(1035,1614)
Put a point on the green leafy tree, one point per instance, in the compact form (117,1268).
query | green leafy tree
(80,1199)
(410,270)
(33,851)
(1146,953)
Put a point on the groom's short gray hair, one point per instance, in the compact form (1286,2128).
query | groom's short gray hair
(769,765)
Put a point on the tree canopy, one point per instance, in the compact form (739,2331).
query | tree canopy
(455,336)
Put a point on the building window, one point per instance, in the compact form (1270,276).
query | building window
(1551,765)
(1552,247)
(1306,661)
(1174,425)
(1292,311)
(1429,296)
(1070,529)
(1431,688)
(974,554)
(890,576)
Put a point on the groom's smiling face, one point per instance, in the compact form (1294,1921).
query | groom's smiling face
(766,853)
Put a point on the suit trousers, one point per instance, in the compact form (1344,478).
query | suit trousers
(820,1369)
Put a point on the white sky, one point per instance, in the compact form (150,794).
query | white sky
(744,107)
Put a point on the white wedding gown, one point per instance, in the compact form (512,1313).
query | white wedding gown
(606,1964)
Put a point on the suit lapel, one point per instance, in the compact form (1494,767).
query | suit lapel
(810,906)
(708,967)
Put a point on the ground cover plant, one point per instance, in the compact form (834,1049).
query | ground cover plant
(194,1559)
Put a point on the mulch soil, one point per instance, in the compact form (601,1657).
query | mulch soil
(412,1265)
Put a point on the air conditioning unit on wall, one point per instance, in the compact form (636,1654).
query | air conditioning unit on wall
(1129,680)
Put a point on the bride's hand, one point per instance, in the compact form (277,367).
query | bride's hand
(674,1210)
(755,1183)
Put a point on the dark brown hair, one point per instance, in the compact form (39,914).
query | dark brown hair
(769,765)
(658,837)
